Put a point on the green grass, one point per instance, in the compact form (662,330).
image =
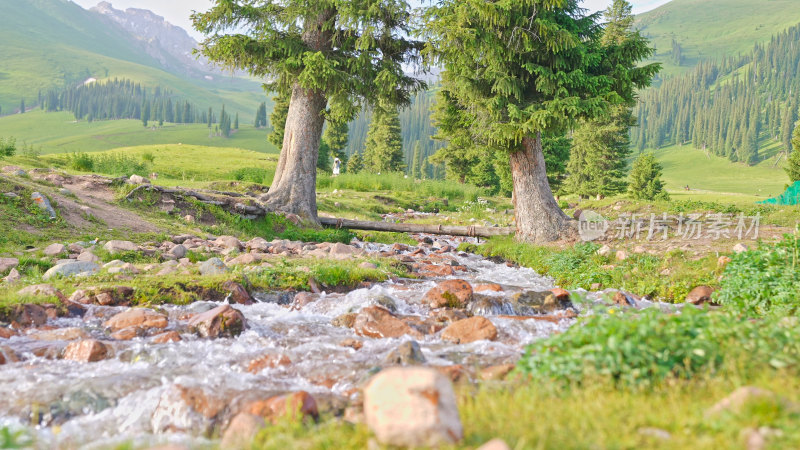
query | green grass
(714,28)
(726,181)
(61,133)
(579,267)
(540,415)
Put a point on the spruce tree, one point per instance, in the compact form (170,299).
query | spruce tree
(645,179)
(236,122)
(278,119)
(793,168)
(355,164)
(416,162)
(509,84)
(329,58)
(383,150)
(787,127)
(22,106)
(335,137)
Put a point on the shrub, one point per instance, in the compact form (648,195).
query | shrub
(8,147)
(764,281)
(651,346)
(253,175)
(645,179)
(81,162)
(112,164)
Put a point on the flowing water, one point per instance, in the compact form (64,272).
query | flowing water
(135,396)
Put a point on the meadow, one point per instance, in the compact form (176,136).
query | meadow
(61,133)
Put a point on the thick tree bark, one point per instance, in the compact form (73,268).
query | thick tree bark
(294,188)
(538,217)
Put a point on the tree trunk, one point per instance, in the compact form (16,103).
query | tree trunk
(538,217)
(294,188)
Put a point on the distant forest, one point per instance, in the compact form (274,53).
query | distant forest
(125,99)
(727,107)
(417,128)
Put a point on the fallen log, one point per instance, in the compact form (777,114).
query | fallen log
(449,230)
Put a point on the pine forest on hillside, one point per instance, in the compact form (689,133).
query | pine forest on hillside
(730,107)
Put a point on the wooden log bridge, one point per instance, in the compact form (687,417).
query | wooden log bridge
(450,230)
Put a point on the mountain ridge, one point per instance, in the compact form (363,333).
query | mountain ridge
(52,43)
(708,29)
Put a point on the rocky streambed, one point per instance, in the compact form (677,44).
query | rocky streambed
(104,375)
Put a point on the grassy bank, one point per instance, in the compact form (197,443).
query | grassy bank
(540,415)
(669,277)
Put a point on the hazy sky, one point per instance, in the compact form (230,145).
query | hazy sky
(177,11)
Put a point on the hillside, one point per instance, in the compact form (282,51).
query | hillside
(50,43)
(707,29)
(61,133)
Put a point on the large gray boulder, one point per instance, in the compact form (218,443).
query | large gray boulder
(213,266)
(71,269)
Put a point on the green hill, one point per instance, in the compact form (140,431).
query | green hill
(49,43)
(61,133)
(712,28)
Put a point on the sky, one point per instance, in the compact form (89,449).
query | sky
(177,11)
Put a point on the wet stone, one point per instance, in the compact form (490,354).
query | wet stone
(223,321)
(280,406)
(88,350)
(470,330)
(269,361)
(449,293)
(406,354)
(137,317)
(377,322)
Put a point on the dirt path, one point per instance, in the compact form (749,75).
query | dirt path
(93,198)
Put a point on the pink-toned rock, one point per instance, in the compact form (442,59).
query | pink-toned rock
(270,361)
(470,330)
(496,372)
(241,431)
(700,295)
(114,247)
(187,409)
(412,407)
(169,336)
(432,270)
(7,355)
(451,293)
(223,321)
(488,287)
(59,334)
(377,322)
(126,334)
(237,293)
(88,350)
(137,317)
(495,444)
(6,333)
(258,244)
(228,242)
(341,251)
(7,264)
(27,315)
(55,249)
(243,259)
(723,261)
(88,256)
(13,276)
(41,290)
(280,406)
